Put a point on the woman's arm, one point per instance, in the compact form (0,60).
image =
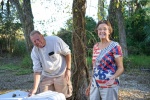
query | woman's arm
(119,63)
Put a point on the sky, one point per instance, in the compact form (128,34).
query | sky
(51,15)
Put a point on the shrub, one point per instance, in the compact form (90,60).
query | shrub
(19,48)
(26,62)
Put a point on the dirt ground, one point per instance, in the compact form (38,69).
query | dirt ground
(134,84)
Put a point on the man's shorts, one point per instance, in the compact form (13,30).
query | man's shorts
(58,84)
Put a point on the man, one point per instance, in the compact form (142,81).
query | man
(51,58)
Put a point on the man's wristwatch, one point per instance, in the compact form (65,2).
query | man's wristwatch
(68,69)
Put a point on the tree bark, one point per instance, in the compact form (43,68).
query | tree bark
(26,18)
(101,11)
(121,29)
(80,69)
(111,17)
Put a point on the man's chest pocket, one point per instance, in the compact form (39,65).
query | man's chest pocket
(54,57)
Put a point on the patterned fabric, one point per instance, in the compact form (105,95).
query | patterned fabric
(104,64)
(96,52)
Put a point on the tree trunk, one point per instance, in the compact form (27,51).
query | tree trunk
(121,29)
(80,69)
(111,17)
(101,12)
(26,18)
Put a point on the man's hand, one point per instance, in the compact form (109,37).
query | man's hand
(32,92)
(68,74)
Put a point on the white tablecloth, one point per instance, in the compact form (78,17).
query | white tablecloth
(22,95)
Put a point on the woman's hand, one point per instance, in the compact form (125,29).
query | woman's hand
(111,81)
(87,91)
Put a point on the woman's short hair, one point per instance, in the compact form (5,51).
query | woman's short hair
(104,22)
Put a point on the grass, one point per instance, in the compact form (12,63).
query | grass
(137,62)
(22,67)
(10,67)
(18,70)
(141,61)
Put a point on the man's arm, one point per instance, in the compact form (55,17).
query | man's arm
(68,67)
(68,61)
(37,76)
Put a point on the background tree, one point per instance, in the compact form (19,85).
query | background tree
(80,69)
(117,21)
(10,29)
(112,18)
(138,27)
(91,36)
(121,27)
(26,17)
(101,11)
(66,36)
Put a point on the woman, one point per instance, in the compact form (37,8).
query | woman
(107,65)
